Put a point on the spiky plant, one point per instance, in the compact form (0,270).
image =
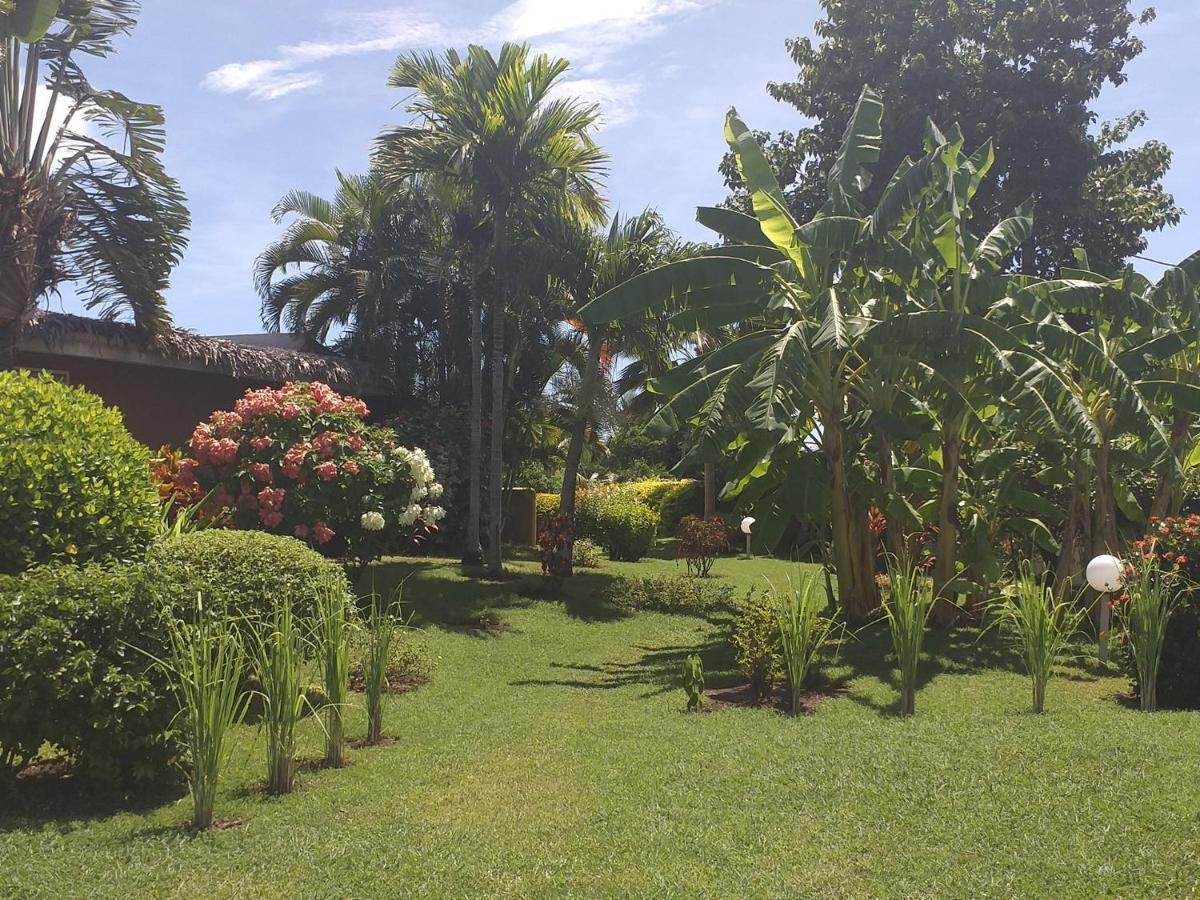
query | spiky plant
(331,639)
(907,612)
(804,630)
(1143,611)
(381,627)
(277,651)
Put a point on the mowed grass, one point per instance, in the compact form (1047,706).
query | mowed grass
(551,757)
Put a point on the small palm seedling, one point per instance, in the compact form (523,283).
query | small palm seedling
(693,681)
(1151,596)
(381,634)
(1039,626)
(804,629)
(331,640)
(907,612)
(205,663)
(277,655)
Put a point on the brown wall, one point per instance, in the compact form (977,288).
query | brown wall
(160,405)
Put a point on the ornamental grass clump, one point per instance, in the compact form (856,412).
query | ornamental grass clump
(380,628)
(1151,596)
(331,642)
(1038,624)
(205,663)
(907,611)
(277,652)
(804,630)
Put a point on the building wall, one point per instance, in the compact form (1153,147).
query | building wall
(160,405)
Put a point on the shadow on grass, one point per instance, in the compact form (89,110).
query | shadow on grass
(57,798)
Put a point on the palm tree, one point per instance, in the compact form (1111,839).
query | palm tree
(490,127)
(84,198)
(370,263)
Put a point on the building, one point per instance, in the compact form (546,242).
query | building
(164,385)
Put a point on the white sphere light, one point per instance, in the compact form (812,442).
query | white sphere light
(1104,573)
(747,523)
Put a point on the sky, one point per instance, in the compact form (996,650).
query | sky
(266,96)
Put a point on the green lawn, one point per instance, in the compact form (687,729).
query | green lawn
(551,757)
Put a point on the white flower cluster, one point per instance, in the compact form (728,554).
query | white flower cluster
(424,487)
(372,521)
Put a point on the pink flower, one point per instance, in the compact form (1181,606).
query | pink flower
(290,411)
(261,472)
(350,467)
(271,499)
(326,471)
(301,531)
(261,443)
(322,533)
(270,519)
(292,471)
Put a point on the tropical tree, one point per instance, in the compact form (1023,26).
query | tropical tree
(373,267)
(84,197)
(491,127)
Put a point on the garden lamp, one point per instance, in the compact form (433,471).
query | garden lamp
(747,524)
(1104,574)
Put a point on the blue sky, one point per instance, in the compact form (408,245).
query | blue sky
(263,96)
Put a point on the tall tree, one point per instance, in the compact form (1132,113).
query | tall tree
(492,127)
(84,198)
(1020,72)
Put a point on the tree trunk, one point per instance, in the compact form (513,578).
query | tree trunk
(710,490)
(945,569)
(887,474)
(566,498)
(1168,494)
(855,601)
(1070,560)
(1104,534)
(496,456)
(472,551)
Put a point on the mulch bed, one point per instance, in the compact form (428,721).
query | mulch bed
(740,695)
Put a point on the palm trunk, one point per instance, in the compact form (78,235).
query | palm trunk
(566,499)
(1104,534)
(887,474)
(710,490)
(472,552)
(945,565)
(496,455)
(855,601)
(1070,560)
(1168,496)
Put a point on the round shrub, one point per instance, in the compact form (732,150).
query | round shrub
(627,527)
(302,461)
(585,553)
(70,675)
(246,572)
(76,485)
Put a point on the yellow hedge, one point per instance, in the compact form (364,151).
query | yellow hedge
(672,499)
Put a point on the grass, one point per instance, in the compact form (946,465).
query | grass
(550,756)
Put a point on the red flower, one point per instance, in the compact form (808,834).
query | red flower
(261,443)
(322,533)
(290,411)
(301,531)
(326,471)
(350,467)
(261,472)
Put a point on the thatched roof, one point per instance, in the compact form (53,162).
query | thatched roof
(179,346)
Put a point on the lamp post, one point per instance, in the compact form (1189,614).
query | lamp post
(747,524)
(1104,576)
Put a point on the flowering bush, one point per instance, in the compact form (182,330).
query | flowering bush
(1175,540)
(701,541)
(302,461)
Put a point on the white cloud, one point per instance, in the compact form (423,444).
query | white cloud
(590,34)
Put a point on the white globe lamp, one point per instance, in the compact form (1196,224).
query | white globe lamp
(1104,575)
(747,524)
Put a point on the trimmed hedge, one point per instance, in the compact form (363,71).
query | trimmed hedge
(628,527)
(671,499)
(246,571)
(76,485)
(70,676)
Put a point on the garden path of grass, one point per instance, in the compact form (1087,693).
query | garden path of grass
(550,757)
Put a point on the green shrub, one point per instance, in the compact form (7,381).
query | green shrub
(628,527)
(69,675)
(692,677)
(757,641)
(701,541)
(76,485)
(669,594)
(585,553)
(244,571)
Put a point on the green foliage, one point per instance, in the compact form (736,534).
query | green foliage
(1039,626)
(628,527)
(206,662)
(692,677)
(1153,595)
(907,612)
(277,650)
(331,643)
(757,641)
(669,594)
(1093,191)
(586,553)
(69,679)
(244,572)
(76,485)
(380,628)
(804,630)
(701,541)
